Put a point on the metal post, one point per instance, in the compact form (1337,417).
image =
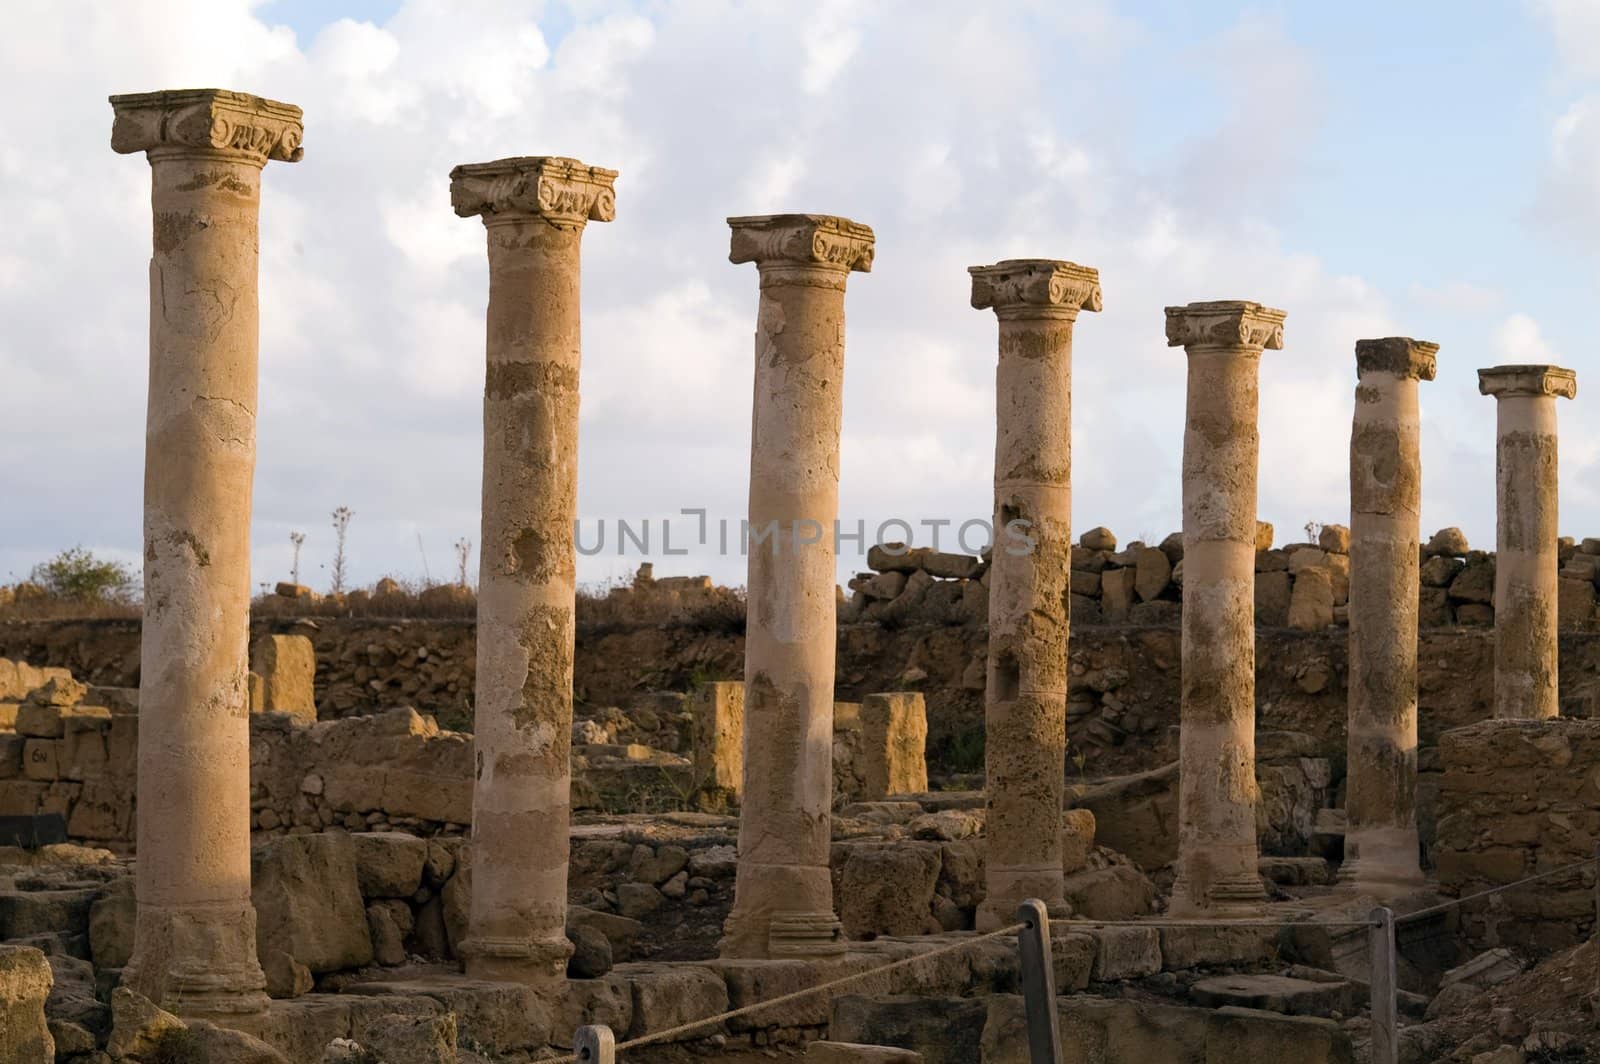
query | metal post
(595,1045)
(1385,1024)
(1038,983)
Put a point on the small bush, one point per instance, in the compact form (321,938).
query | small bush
(77,575)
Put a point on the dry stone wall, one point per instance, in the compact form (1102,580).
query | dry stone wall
(1519,798)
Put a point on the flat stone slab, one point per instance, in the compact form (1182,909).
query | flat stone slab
(1272,993)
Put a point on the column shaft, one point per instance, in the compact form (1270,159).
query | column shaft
(1381,849)
(194,939)
(1217,783)
(783,902)
(523,713)
(522,718)
(1037,302)
(1526,563)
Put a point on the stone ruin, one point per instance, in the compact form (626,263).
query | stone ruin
(208,866)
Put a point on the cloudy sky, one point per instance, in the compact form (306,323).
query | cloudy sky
(1373,168)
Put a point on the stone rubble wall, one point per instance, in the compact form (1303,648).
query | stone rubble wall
(1517,798)
(1304,586)
(70,749)
(1123,697)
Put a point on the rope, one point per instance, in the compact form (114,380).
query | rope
(1211,923)
(671,1033)
(782,999)
(1443,906)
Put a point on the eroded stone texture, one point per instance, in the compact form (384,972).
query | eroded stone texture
(534,210)
(717,713)
(195,940)
(1217,785)
(1036,302)
(783,902)
(894,740)
(1526,587)
(1381,851)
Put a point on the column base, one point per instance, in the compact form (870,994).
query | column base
(198,963)
(1234,895)
(801,934)
(1383,862)
(540,963)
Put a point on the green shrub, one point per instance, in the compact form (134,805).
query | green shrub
(77,575)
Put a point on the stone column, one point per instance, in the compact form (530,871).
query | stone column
(1217,747)
(1526,565)
(1036,300)
(534,210)
(1380,848)
(195,939)
(783,897)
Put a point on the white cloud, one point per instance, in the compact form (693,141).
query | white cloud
(928,122)
(1518,340)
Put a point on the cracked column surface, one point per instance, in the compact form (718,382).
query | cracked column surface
(1036,300)
(1217,872)
(783,896)
(534,210)
(1380,849)
(1526,562)
(195,940)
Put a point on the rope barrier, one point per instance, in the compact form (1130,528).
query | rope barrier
(671,1033)
(1433,910)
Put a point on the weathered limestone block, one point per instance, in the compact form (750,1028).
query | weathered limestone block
(888,890)
(1449,542)
(1100,538)
(389,863)
(1125,953)
(894,735)
(25,982)
(717,715)
(41,759)
(1273,598)
(1575,604)
(111,923)
(1152,573)
(1311,601)
(1077,839)
(287,665)
(668,995)
(1117,589)
(1116,892)
(403,1039)
(308,901)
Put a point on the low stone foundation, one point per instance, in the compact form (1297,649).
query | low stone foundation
(1520,797)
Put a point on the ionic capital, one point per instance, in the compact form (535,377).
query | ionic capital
(1528,381)
(563,192)
(1225,323)
(1400,355)
(809,240)
(1028,287)
(207,120)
